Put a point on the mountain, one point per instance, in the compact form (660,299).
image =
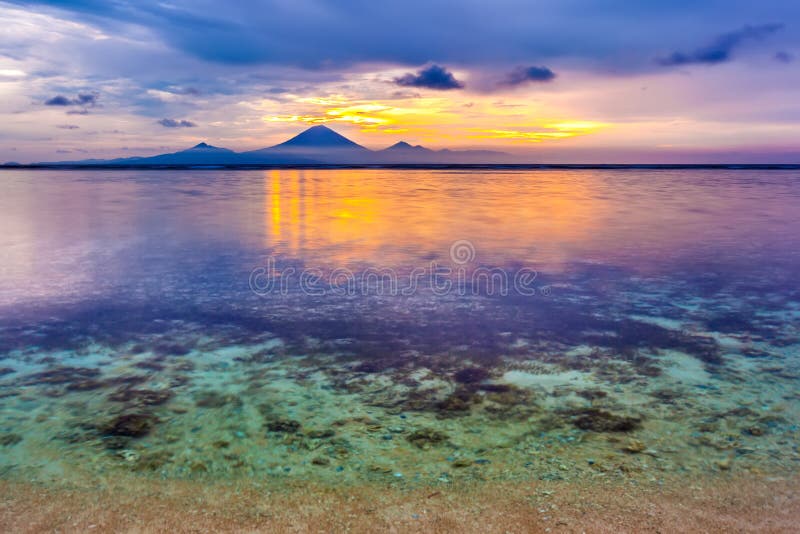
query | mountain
(318,137)
(405,153)
(200,154)
(404,148)
(318,145)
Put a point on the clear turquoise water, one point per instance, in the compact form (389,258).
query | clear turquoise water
(656,333)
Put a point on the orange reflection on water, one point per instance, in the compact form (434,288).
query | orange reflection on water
(348,217)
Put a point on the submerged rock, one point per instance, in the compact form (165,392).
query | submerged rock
(215,399)
(133,425)
(61,375)
(7,440)
(471,375)
(424,438)
(128,455)
(592,394)
(602,421)
(87,384)
(376,468)
(152,461)
(320,434)
(510,396)
(198,467)
(288,426)
(147,397)
(635,446)
(150,365)
(458,402)
(724,464)
(755,430)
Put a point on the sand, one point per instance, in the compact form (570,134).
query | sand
(741,503)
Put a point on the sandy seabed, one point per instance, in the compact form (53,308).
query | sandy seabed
(735,504)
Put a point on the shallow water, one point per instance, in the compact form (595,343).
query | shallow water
(403,326)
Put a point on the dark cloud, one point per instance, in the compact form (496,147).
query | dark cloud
(522,75)
(182,91)
(783,57)
(721,48)
(58,101)
(68,126)
(78,112)
(176,123)
(316,43)
(87,100)
(433,77)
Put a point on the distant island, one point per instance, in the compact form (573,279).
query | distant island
(318,145)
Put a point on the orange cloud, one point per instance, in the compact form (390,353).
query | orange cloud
(545,132)
(449,120)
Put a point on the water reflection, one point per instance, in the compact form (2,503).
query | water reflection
(550,218)
(67,234)
(375,216)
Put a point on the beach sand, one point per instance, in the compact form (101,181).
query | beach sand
(742,503)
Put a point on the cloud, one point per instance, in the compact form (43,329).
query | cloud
(433,77)
(68,126)
(176,123)
(58,101)
(721,48)
(151,40)
(86,99)
(544,132)
(185,91)
(783,57)
(83,99)
(522,75)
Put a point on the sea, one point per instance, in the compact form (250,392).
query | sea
(401,327)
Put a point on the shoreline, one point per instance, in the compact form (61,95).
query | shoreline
(409,166)
(739,502)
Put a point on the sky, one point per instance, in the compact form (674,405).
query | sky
(582,81)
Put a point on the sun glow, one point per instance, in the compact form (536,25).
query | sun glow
(538,133)
(443,120)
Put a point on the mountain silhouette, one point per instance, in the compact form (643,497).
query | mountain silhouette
(402,146)
(318,137)
(318,145)
(206,147)
(406,153)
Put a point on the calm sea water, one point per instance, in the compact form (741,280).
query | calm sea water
(409,326)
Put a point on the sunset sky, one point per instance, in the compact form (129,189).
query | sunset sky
(566,81)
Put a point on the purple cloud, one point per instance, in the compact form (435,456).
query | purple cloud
(83,99)
(433,77)
(522,75)
(721,48)
(176,123)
